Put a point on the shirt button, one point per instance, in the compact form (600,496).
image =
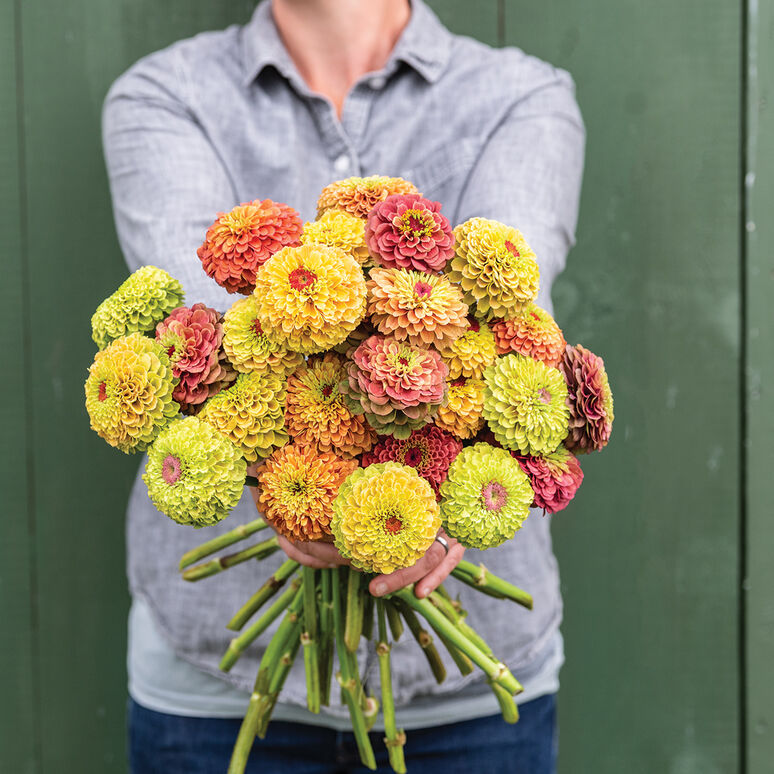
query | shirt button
(342,163)
(378,82)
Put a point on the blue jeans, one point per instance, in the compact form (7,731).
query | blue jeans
(170,744)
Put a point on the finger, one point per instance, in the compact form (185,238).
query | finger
(300,556)
(325,552)
(438,575)
(386,584)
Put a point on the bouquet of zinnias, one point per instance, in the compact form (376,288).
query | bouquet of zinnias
(388,375)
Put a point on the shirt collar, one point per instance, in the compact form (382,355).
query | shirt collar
(424,45)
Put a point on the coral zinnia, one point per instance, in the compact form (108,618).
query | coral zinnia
(409,232)
(555,477)
(486,497)
(316,414)
(298,486)
(192,338)
(239,242)
(398,386)
(336,228)
(428,450)
(359,195)
(590,400)
(385,517)
(248,347)
(423,308)
(249,413)
(311,297)
(525,404)
(129,392)
(472,352)
(495,266)
(531,332)
(194,475)
(143,299)
(462,413)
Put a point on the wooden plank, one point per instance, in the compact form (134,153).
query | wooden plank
(17,686)
(72,52)
(649,554)
(759,341)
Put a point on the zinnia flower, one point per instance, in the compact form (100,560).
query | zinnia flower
(129,392)
(144,298)
(495,266)
(485,498)
(194,475)
(311,297)
(359,195)
(239,242)
(462,414)
(316,414)
(192,338)
(525,404)
(249,413)
(406,231)
(423,308)
(555,477)
(472,352)
(590,400)
(298,486)
(398,386)
(531,332)
(428,450)
(336,228)
(384,517)
(248,347)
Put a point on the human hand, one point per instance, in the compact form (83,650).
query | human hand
(429,572)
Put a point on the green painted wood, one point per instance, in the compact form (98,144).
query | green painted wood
(759,339)
(649,553)
(479,20)
(17,685)
(71,53)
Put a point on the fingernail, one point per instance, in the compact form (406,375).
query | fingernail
(380,589)
(422,592)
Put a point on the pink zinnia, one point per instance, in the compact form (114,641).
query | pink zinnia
(429,450)
(555,478)
(407,231)
(192,337)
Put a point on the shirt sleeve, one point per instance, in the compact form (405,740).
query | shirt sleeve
(529,173)
(166,179)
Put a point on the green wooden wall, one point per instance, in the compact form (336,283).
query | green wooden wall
(665,558)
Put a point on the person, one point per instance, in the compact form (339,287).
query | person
(307,92)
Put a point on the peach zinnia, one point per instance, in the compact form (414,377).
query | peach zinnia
(532,332)
(359,195)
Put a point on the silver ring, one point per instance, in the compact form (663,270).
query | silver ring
(443,542)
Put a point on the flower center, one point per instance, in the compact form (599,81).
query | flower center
(474,324)
(297,487)
(301,278)
(256,326)
(170,351)
(170,469)
(493,496)
(415,224)
(422,290)
(511,248)
(458,382)
(535,315)
(402,359)
(544,395)
(414,456)
(102,391)
(393,525)
(327,390)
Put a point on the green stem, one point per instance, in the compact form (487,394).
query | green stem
(310,642)
(393,738)
(496,670)
(505,700)
(425,640)
(246,736)
(326,636)
(214,566)
(349,680)
(368,614)
(478,577)
(457,617)
(278,642)
(222,541)
(355,605)
(239,644)
(393,619)
(263,595)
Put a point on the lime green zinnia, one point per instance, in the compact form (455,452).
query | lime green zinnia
(194,475)
(525,404)
(144,299)
(485,498)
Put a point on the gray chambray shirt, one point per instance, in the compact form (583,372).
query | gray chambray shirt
(225,118)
